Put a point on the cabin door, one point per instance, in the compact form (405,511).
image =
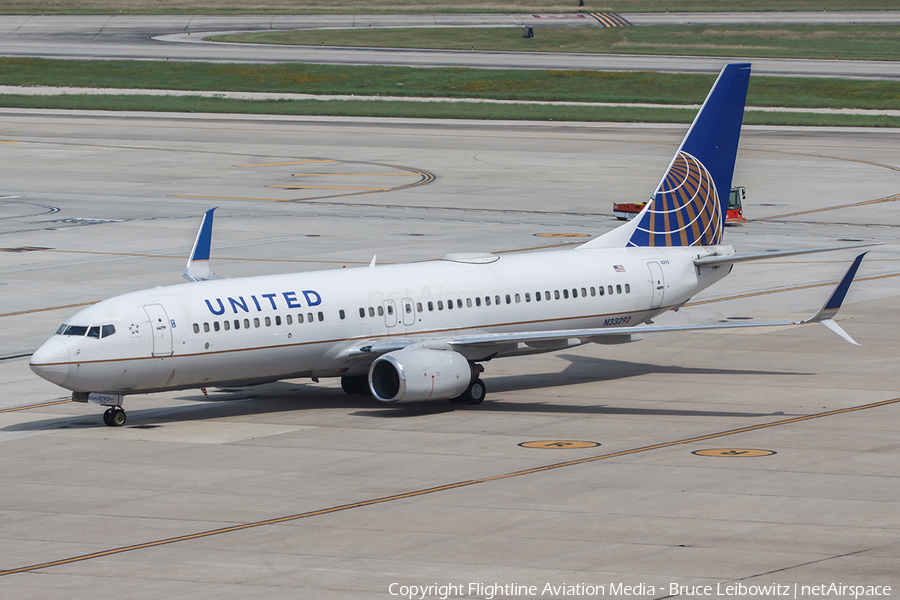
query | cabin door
(657,284)
(159,327)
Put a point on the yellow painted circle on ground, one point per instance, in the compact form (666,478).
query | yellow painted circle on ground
(558,444)
(562,235)
(734,452)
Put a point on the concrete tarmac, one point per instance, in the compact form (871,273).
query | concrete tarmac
(742,459)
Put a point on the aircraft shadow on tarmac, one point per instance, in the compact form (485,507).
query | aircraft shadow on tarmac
(285,396)
(581,369)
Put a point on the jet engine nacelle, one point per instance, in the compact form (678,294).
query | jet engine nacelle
(419,374)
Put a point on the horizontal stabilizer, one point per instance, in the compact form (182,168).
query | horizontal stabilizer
(715,261)
(197,268)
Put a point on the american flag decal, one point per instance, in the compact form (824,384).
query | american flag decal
(619,268)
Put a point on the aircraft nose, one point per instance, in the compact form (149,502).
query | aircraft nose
(51,361)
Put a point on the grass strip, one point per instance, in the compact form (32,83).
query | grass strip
(256,7)
(431,110)
(561,85)
(832,42)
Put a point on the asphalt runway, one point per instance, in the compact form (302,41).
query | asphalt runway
(294,490)
(181,38)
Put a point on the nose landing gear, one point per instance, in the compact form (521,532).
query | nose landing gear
(114,417)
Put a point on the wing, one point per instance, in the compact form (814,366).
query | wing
(488,345)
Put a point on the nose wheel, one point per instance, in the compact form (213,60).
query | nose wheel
(114,417)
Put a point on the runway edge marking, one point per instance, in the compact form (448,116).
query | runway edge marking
(440,488)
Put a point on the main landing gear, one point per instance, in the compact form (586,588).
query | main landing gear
(356,385)
(474,394)
(114,417)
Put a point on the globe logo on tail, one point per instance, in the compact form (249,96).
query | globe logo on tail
(685,211)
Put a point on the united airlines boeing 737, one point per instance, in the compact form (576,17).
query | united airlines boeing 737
(417,332)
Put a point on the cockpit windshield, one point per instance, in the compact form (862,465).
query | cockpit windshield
(96,332)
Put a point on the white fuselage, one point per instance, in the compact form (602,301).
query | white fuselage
(258,329)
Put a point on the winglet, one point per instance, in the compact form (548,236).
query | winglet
(834,302)
(197,268)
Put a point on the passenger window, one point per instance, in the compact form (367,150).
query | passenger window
(527,296)
(94,332)
(487,300)
(478,301)
(449,304)
(321,316)
(286,318)
(468,303)
(237,324)
(609,289)
(537,297)
(440,305)
(547,295)
(518,299)
(574,292)
(565,294)
(390,309)
(247,323)
(299,318)
(556,294)
(277,319)
(406,307)
(256,321)
(419,306)
(583,293)
(205,328)
(459,303)
(341,314)
(497,300)
(600,290)
(309,317)
(627,288)
(508,299)
(593,291)
(225,324)
(197,327)
(268,322)
(362,313)
(430,306)
(371,312)
(618,288)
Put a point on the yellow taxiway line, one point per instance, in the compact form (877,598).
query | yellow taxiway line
(440,488)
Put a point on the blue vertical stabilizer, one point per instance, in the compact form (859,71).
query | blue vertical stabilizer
(689,205)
